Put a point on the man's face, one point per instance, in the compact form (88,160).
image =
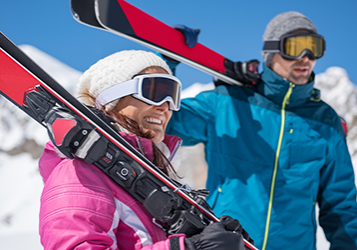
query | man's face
(296,71)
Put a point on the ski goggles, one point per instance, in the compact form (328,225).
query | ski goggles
(296,46)
(153,89)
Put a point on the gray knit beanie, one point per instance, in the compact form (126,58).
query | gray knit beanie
(113,70)
(283,24)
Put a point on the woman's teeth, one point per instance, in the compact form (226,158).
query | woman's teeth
(153,120)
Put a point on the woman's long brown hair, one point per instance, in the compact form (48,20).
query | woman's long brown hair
(133,127)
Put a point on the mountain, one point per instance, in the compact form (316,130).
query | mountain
(22,141)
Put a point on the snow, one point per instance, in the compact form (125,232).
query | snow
(21,187)
(21,184)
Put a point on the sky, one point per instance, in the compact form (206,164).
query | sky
(233,28)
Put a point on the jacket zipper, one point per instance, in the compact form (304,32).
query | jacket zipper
(285,102)
(140,146)
(173,153)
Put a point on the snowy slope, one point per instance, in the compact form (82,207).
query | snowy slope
(22,141)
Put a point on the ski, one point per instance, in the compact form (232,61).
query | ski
(22,82)
(123,19)
(31,89)
(84,13)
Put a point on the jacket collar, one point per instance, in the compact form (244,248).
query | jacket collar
(173,143)
(275,88)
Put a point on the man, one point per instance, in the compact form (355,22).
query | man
(275,150)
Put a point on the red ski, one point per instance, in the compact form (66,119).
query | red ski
(124,19)
(32,90)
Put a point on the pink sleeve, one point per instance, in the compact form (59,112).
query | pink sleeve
(165,244)
(76,209)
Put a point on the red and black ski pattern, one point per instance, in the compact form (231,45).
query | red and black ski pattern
(19,75)
(124,19)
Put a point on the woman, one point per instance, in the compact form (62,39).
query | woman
(81,207)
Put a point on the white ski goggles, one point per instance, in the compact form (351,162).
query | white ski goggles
(153,89)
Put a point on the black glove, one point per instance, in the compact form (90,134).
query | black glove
(246,72)
(233,225)
(215,237)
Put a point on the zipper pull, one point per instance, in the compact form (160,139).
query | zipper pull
(290,90)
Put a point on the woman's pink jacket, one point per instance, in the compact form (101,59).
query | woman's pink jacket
(82,208)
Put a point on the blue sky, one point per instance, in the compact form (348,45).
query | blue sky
(233,28)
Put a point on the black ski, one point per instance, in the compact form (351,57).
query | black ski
(83,12)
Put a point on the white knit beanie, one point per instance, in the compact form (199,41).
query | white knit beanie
(113,70)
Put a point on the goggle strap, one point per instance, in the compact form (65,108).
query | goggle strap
(271,46)
(111,94)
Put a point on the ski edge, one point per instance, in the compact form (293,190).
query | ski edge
(166,52)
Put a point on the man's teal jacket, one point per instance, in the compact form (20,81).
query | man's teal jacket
(273,153)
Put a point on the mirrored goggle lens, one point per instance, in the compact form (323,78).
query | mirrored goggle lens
(294,46)
(157,89)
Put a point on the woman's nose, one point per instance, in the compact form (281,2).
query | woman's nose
(163,107)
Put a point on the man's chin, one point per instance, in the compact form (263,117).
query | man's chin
(300,80)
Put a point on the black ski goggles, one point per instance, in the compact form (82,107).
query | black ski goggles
(153,89)
(296,46)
